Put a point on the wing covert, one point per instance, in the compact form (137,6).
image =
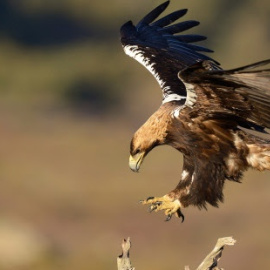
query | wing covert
(242,94)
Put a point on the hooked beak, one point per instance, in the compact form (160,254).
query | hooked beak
(136,161)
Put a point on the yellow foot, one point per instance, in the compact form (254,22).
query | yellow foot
(169,205)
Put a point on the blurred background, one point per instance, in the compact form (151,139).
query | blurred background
(70,101)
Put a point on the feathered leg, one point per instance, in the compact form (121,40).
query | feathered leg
(259,156)
(170,203)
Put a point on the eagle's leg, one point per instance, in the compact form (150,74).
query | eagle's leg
(169,205)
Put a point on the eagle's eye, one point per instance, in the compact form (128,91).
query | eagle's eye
(137,151)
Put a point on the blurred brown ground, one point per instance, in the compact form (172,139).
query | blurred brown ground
(70,101)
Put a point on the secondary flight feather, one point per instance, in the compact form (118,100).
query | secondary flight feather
(207,113)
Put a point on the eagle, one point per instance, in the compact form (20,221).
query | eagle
(216,118)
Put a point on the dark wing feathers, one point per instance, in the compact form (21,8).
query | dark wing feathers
(178,27)
(256,86)
(160,34)
(151,16)
(190,47)
(159,46)
(170,18)
(244,91)
(190,38)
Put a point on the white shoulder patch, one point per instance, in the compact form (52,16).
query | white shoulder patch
(176,112)
(172,97)
(184,175)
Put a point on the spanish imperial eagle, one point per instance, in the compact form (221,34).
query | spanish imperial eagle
(207,113)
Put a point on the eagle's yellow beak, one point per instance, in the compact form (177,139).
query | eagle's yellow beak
(136,161)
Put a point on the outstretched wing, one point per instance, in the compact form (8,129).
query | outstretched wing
(242,94)
(155,45)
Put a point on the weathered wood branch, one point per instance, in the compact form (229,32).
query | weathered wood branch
(123,261)
(209,263)
(211,260)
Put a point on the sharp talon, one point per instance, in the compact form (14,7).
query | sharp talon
(183,218)
(168,218)
(152,208)
(167,204)
(158,203)
(180,215)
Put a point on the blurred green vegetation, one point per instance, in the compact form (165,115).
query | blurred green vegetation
(69,102)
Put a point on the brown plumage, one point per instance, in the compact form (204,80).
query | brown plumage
(211,124)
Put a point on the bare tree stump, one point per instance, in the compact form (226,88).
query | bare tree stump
(209,263)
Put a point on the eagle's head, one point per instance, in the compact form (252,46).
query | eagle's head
(152,133)
(139,148)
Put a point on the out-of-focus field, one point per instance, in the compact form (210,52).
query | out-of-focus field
(70,101)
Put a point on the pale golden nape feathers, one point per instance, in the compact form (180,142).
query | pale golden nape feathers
(153,132)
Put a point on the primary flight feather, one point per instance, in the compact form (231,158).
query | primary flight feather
(207,113)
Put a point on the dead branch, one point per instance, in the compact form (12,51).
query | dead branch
(123,261)
(209,263)
(211,260)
